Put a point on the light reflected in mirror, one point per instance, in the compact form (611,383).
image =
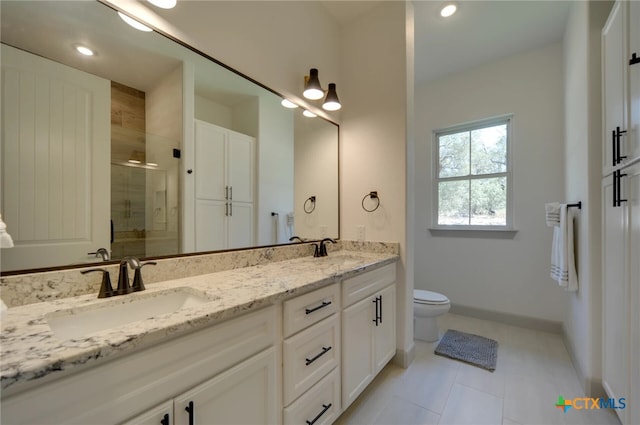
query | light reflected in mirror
(146,148)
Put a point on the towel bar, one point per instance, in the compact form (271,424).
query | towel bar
(579,205)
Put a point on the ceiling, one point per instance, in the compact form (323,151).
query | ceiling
(481,31)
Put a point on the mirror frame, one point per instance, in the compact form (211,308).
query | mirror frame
(192,254)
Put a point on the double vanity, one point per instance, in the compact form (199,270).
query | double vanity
(293,341)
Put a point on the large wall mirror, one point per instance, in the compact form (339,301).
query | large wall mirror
(146,148)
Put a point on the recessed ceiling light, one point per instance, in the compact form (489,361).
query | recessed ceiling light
(288,104)
(308,114)
(137,25)
(164,4)
(448,10)
(84,50)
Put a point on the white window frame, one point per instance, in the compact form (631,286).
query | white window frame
(470,126)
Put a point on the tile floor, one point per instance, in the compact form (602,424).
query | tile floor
(533,369)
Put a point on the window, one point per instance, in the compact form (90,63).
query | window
(473,176)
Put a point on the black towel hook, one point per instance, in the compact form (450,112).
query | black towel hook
(373,195)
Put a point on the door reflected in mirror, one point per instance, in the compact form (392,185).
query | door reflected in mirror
(104,151)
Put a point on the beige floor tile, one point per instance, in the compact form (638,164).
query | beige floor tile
(467,406)
(399,411)
(533,369)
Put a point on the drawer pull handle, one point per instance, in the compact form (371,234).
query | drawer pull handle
(165,419)
(324,351)
(325,407)
(323,305)
(191,412)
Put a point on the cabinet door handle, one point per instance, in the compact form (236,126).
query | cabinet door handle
(190,409)
(226,209)
(226,192)
(323,305)
(615,189)
(325,407)
(614,158)
(620,200)
(230,209)
(165,419)
(324,351)
(619,157)
(378,302)
(231,193)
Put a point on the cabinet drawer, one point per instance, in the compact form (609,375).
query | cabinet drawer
(356,288)
(305,310)
(309,355)
(318,406)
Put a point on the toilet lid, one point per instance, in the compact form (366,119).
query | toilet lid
(428,297)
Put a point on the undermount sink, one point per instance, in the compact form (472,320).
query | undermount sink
(120,311)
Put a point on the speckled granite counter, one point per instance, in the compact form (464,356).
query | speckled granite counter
(31,351)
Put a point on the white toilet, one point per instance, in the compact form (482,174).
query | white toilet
(427,306)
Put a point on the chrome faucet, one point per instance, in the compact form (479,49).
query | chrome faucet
(102,253)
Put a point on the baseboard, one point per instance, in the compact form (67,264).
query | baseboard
(509,319)
(592,387)
(403,358)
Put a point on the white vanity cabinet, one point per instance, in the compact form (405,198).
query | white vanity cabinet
(244,395)
(368,328)
(311,357)
(227,369)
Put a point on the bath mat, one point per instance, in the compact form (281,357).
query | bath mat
(473,349)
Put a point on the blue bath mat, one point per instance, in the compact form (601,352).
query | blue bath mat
(473,349)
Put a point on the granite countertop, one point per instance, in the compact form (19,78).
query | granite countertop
(31,351)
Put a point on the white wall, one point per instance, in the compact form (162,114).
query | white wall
(275,170)
(212,112)
(583,315)
(373,137)
(316,174)
(508,275)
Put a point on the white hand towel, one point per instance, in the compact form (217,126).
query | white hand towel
(563,267)
(552,214)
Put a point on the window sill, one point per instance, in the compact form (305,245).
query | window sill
(462,232)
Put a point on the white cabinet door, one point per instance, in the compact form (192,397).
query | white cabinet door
(61,126)
(211,222)
(615,372)
(245,394)
(210,162)
(358,364)
(633,135)
(633,204)
(241,166)
(613,80)
(240,227)
(159,415)
(385,338)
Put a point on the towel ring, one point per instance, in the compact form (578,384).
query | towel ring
(311,200)
(372,195)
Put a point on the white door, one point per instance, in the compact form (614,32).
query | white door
(613,66)
(615,370)
(385,332)
(245,394)
(357,345)
(56,151)
(240,225)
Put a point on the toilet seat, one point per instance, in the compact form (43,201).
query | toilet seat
(421,296)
